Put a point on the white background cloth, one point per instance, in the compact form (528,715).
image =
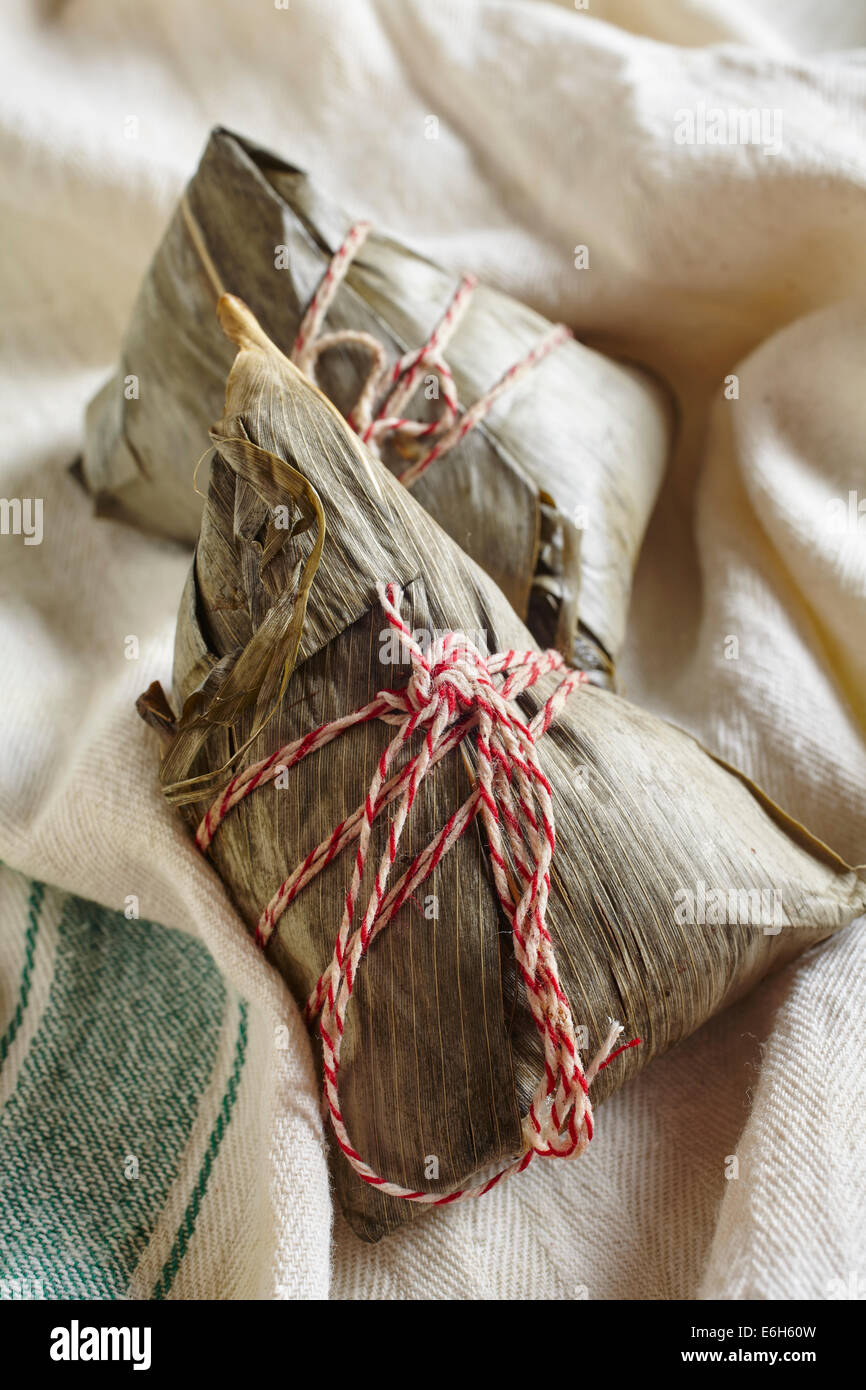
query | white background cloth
(556,128)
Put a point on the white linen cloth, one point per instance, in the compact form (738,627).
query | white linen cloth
(557,127)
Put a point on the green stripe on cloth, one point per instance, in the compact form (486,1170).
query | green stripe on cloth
(187,1226)
(34,908)
(91,1138)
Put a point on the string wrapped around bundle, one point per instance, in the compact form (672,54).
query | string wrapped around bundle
(450,694)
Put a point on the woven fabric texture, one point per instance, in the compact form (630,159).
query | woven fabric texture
(498,137)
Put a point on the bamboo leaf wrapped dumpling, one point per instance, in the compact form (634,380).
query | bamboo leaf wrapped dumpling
(441,1053)
(550,492)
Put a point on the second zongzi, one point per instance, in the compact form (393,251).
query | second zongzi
(540,457)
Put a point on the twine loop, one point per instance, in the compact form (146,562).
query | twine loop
(385,393)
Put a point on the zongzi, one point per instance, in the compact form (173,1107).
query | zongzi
(540,457)
(468,861)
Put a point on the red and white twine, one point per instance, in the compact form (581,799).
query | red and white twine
(385,394)
(454,690)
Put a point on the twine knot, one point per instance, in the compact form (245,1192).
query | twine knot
(452,674)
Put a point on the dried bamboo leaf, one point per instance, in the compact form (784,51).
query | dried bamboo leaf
(256,675)
(440,1057)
